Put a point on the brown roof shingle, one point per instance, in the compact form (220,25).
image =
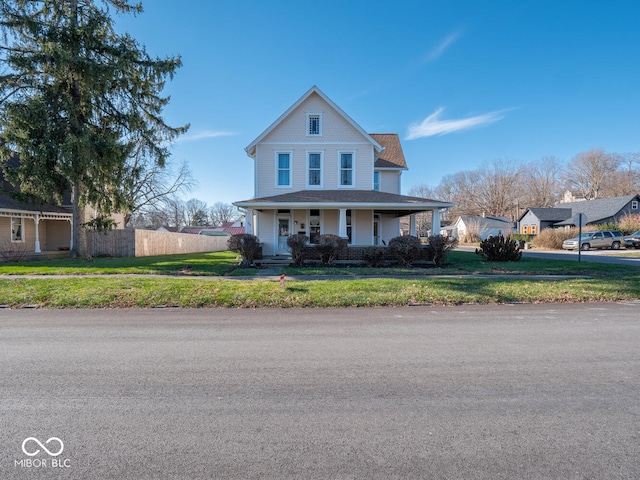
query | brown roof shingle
(392,156)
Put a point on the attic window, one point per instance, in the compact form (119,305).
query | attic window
(314,124)
(634,205)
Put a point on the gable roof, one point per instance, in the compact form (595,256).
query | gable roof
(596,210)
(392,156)
(550,214)
(251,148)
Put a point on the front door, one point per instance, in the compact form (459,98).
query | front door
(283,235)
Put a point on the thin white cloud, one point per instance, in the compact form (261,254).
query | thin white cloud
(193,137)
(442,47)
(433,125)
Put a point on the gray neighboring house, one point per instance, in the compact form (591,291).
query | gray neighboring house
(602,210)
(533,220)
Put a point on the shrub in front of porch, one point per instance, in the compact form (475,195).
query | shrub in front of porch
(329,247)
(297,244)
(375,256)
(405,248)
(246,245)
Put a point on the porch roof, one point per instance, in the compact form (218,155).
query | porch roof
(400,205)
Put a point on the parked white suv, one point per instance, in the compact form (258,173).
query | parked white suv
(598,239)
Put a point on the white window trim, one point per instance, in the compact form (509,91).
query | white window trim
(21,240)
(353,169)
(314,114)
(321,153)
(634,204)
(276,154)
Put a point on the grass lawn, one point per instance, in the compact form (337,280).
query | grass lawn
(606,283)
(216,264)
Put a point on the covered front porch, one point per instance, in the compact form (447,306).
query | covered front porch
(363,218)
(35,233)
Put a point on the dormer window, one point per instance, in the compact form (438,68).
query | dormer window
(314,124)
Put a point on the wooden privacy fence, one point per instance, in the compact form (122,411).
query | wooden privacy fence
(145,243)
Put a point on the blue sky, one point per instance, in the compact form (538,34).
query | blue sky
(461,82)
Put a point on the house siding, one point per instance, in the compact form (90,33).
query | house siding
(390,181)
(290,136)
(335,128)
(389,228)
(363,228)
(58,234)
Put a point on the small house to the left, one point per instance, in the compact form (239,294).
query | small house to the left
(37,229)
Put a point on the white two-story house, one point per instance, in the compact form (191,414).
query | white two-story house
(317,171)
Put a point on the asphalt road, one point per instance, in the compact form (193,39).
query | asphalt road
(505,392)
(599,256)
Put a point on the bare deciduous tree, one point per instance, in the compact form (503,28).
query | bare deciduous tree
(152,188)
(539,183)
(221,212)
(592,174)
(196,212)
(495,188)
(627,179)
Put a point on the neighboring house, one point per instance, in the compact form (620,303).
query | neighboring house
(167,228)
(484,226)
(534,220)
(198,230)
(602,210)
(33,228)
(316,171)
(37,228)
(233,228)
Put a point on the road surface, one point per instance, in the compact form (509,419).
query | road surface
(472,392)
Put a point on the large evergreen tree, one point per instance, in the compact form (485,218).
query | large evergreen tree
(76,99)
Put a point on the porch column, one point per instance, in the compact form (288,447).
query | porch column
(248,228)
(71,239)
(412,225)
(435,222)
(36,221)
(342,225)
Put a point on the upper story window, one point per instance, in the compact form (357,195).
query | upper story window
(283,167)
(634,204)
(314,124)
(16,229)
(314,169)
(376,181)
(346,169)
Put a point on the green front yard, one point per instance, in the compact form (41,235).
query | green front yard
(417,286)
